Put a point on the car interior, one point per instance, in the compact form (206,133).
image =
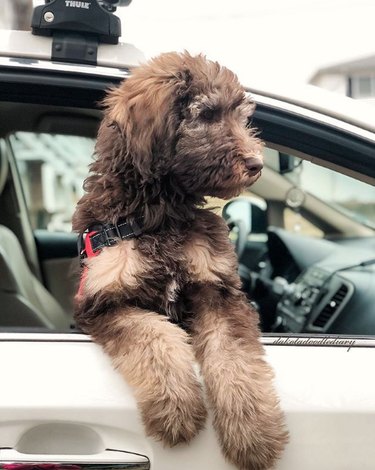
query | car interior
(37,275)
(306,259)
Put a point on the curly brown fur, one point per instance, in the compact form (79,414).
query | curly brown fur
(175,132)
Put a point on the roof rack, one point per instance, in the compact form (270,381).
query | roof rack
(78,27)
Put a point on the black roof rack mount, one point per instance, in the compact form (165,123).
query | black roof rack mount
(77,27)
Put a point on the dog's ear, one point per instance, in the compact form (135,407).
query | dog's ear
(109,148)
(146,109)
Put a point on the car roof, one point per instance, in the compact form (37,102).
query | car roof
(114,59)
(23,44)
(318,100)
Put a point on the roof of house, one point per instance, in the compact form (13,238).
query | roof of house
(364,64)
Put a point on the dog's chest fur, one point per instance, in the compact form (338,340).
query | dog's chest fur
(158,272)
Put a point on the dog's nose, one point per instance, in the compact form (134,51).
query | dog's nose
(254,165)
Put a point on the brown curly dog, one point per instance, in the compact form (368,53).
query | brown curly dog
(167,292)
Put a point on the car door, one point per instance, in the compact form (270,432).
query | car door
(61,402)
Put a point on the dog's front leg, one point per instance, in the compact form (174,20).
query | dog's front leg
(155,358)
(247,417)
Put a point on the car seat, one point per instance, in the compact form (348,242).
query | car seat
(24,301)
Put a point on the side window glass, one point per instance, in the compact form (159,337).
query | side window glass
(52,169)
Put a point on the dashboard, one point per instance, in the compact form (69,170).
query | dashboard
(314,301)
(324,286)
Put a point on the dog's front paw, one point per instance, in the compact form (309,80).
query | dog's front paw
(253,446)
(248,418)
(174,419)
(252,432)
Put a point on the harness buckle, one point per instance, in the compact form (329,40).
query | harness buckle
(117,231)
(109,240)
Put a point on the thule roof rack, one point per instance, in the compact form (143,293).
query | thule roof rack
(78,27)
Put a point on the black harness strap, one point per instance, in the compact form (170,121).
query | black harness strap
(103,235)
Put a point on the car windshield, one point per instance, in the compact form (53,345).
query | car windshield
(348,195)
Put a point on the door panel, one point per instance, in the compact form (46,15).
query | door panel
(57,253)
(327,392)
(54,245)
(61,277)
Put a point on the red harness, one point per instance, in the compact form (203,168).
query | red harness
(105,235)
(89,252)
(88,247)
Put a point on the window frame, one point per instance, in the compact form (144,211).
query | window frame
(290,129)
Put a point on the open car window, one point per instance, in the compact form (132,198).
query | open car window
(52,169)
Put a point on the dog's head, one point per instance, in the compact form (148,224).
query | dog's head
(183,119)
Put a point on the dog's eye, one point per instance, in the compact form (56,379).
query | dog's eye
(114,125)
(208,114)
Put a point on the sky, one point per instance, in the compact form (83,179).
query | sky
(270,40)
(263,41)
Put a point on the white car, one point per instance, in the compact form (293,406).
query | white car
(305,238)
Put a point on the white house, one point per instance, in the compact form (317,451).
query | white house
(355,78)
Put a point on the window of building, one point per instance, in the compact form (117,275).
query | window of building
(363,86)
